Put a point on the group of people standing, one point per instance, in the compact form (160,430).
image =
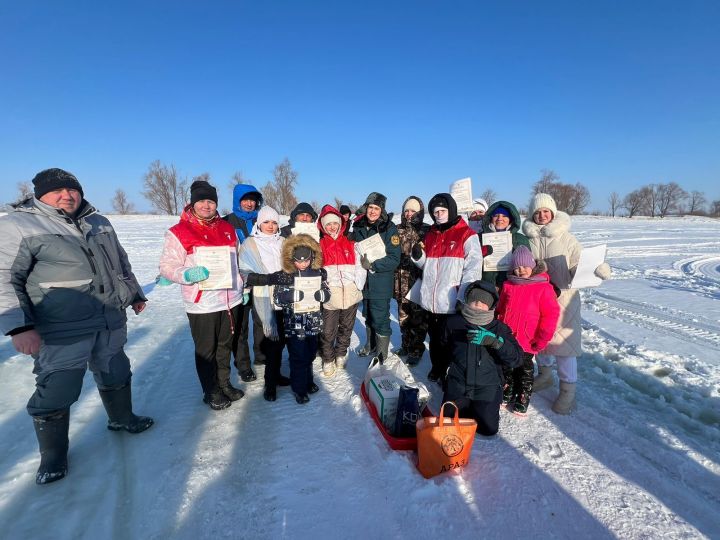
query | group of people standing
(67,282)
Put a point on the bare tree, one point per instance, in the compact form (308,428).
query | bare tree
(547,177)
(165,191)
(568,198)
(121,204)
(615,203)
(25,190)
(668,197)
(489,195)
(715,209)
(696,202)
(634,202)
(280,192)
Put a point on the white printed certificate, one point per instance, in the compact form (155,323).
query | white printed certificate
(218,261)
(309,286)
(461,191)
(501,255)
(306,228)
(373,247)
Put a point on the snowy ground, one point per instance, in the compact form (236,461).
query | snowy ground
(640,458)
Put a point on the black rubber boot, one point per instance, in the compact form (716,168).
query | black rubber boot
(383,344)
(118,405)
(370,346)
(217,400)
(52,436)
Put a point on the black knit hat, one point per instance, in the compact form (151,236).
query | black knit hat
(302,253)
(201,190)
(378,199)
(345,209)
(52,179)
(483,291)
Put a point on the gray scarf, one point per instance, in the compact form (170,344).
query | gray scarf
(477,317)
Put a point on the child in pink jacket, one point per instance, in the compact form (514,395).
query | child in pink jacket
(528,305)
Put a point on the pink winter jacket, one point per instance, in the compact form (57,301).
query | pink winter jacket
(531,310)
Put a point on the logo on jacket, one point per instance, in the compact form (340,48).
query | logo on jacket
(452,245)
(395,240)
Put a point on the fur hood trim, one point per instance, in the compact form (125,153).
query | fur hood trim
(297,240)
(557,227)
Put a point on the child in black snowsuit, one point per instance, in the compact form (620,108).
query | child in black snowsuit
(479,346)
(301,258)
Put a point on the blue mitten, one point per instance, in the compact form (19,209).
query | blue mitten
(246,299)
(196,273)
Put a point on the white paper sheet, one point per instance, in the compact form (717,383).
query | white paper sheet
(461,191)
(590,259)
(309,286)
(218,261)
(373,247)
(501,255)
(301,227)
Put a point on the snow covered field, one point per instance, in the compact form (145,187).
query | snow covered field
(640,458)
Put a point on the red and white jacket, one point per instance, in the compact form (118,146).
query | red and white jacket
(341,260)
(451,260)
(178,256)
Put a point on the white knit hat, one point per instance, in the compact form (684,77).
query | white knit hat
(330,218)
(267,213)
(542,200)
(412,204)
(480,205)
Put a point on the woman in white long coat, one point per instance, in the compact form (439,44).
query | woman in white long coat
(548,230)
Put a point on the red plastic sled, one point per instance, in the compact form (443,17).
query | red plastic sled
(396,443)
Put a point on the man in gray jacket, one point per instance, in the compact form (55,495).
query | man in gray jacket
(65,282)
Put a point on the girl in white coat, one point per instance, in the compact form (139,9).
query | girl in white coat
(548,230)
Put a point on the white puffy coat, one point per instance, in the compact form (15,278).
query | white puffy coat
(558,247)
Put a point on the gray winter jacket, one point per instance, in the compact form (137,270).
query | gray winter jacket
(64,277)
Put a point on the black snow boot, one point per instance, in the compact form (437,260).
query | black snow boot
(383,345)
(371,344)
(232,393)
(52,436)
(217,400)
(118,405)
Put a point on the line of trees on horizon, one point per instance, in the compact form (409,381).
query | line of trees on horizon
(168,193)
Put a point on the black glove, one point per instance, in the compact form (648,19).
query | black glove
(257,280)
(322,296)
(417,252)
(487,250)
(365,263)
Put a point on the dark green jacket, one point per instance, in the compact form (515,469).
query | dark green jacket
(379,283)
(518,238)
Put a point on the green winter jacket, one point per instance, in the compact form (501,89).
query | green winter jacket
(379,283)
(518,238)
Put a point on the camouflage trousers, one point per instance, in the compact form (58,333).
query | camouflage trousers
(413,327)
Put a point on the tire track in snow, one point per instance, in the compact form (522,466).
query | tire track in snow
(656,319)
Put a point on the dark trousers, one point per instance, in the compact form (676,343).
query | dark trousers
(377,315)
(241,348)
(213,337)
(59,369)
(413,327)
(272,350)
(485,413)
(439,353)
(337,330)
(301,353)
(520,378)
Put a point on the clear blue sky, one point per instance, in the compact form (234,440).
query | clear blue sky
(398,97)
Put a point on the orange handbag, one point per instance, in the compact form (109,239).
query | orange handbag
(444,443)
